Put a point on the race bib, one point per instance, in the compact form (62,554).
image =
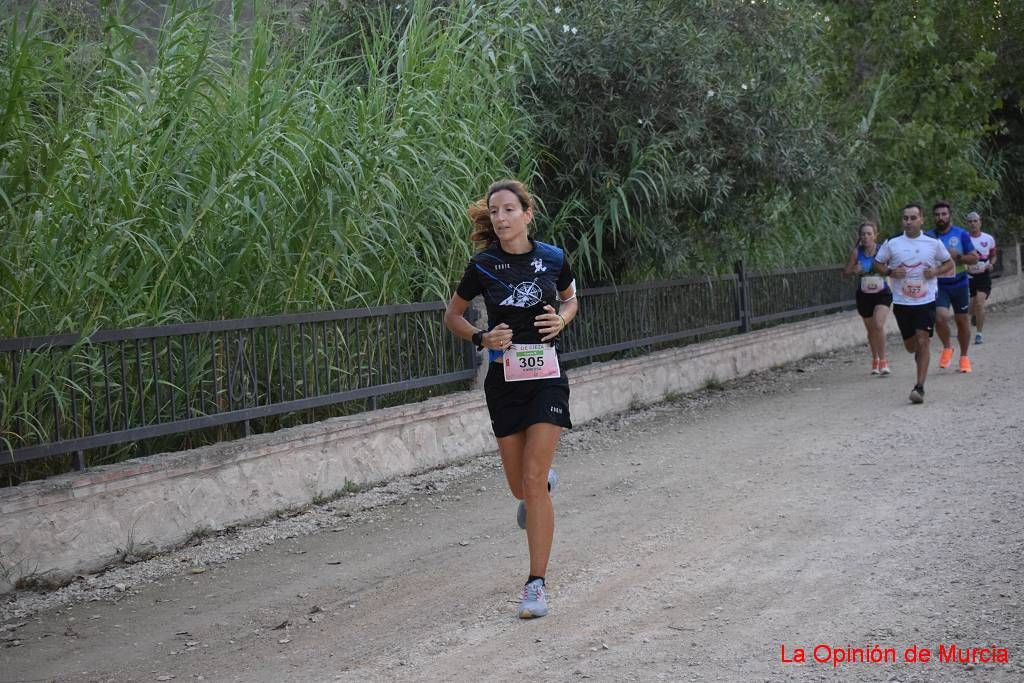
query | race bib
(531,361)
(872,284)
(913,284)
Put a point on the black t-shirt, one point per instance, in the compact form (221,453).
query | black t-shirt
(516,287)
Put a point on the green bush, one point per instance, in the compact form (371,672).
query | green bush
(680,136)
(917,91)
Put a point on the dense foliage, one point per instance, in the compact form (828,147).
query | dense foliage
(915,84)
(218,164)
(220,170)
(689,134)
(683,135)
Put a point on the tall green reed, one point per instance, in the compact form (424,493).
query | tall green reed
(236,176)
(217,169)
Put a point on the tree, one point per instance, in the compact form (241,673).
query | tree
(914,84)
(681,135)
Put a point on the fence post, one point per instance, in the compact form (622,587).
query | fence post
(1018,268)
(742,297)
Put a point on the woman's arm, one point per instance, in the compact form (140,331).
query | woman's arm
(852,267)
(550,323)
(570,304)
(497,338)
(454,320)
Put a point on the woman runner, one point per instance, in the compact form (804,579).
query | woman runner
(527,393)
(873,294)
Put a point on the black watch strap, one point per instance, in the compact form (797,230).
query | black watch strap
(478,339)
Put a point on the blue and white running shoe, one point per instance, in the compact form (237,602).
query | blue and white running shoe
(533,604)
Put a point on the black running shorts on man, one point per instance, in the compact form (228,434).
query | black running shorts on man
(981,282)
(866,302)
(913,318)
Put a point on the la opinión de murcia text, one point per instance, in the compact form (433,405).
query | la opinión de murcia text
(876,654)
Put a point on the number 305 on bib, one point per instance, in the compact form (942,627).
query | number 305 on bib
(531,361)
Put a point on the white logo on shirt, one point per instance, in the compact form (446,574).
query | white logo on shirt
(538,265)
(524,295)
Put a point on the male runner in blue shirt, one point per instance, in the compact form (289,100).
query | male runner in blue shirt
(954,296)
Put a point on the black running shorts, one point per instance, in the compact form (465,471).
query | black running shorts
(514,406)
(982,282)
(957,297)
(866,302)
(914,318)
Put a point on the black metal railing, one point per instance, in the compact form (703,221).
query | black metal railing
(1006,264)
(66,394)
(650,314)
(788,294)
(620,319)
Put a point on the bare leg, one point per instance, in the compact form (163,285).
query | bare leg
(980,303)
(526,458)
(539,453)
(878,321)
(922,354)
(963,332)
(872,338)
(511,449)
(942,317)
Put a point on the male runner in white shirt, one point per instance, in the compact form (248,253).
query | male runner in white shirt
(913,261)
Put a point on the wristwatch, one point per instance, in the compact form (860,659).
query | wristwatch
(478,340)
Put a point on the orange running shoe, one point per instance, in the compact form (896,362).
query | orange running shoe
(875,366)
(883,367)
(965,364)
(946,357)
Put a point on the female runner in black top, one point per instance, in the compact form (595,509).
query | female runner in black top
(521,280)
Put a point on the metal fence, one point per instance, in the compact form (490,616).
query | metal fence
(67,394)
(784,295)
(617,319)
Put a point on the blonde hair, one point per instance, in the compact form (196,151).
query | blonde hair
(483,234)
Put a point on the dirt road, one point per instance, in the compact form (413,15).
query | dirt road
(809,506)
